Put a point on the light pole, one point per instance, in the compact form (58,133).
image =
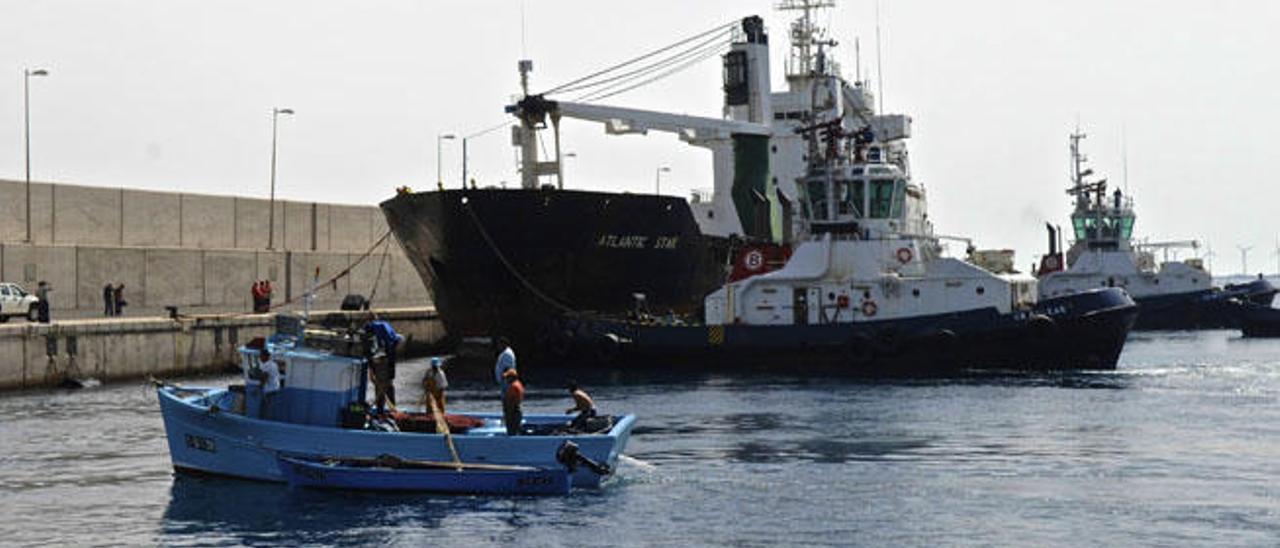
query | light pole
(439,173)
(657,178)
(26,123)
(566,156)
(271,224)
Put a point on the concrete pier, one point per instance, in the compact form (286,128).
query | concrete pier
(37,355)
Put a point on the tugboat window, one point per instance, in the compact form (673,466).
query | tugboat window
(882,195)
(849,195)
(818,196)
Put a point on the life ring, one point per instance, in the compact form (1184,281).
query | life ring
(869,308)
(904,255)
(1051,262)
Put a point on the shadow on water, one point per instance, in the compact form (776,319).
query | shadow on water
(214,509)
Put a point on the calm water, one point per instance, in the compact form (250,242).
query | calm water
(1181,446)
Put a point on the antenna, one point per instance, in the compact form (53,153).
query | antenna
(1244,258)
(879,65)
(1124,159)
(857,60)
(524,49)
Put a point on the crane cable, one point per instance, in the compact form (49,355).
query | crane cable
(699,36)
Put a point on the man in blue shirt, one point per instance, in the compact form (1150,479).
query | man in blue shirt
(384,370)
(506,360)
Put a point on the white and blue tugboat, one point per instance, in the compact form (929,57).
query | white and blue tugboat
(1171,295)
(317,415)
(869,290)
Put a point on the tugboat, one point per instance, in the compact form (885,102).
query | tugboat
(1172,295)
(870,291)
(501,261)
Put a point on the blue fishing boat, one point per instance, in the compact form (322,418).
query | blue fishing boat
(306,401)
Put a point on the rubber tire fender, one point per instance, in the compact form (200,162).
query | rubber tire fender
(1042,326)
(859,351)
(608,348)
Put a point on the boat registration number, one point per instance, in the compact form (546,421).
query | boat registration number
(201,443)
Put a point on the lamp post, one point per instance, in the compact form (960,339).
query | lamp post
(271,224)
(657,179)
(26,123)
(439,173)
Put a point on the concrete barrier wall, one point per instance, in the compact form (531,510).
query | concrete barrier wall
(82,215)
(204,279)
(35,355)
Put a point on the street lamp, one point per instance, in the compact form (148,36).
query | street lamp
(657,179)
(26,123)
(439,173)
(271,224)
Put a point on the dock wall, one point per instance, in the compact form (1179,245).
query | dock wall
(36,355)
(198,252)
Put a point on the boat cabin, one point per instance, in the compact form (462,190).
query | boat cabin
(862,201)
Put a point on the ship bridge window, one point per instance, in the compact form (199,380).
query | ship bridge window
(1126,226)
(887,197)
(818,200)
(849,198)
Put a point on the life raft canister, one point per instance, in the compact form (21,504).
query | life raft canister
(869,308)
(904,255)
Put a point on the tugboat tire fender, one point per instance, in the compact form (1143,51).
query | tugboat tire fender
(608,347)
(1043,326)
(859,351)
(887,343)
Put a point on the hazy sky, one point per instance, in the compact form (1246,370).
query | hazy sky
(177,94)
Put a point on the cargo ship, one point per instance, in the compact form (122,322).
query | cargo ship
(515,262)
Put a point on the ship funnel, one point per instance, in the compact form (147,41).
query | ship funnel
(746,74)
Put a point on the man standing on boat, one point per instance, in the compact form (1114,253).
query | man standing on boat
(512,397)
(433,385)
(384,370)
(506,360)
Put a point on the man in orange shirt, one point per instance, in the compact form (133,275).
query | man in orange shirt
(512,397)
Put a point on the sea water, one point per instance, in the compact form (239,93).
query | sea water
(1180,446)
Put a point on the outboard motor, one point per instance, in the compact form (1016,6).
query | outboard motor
(569,455)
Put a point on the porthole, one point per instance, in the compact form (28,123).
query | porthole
(866,294)
(915,292)
(981,290)
(831,296)
(775,149)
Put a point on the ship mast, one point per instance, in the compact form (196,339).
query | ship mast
(805,36)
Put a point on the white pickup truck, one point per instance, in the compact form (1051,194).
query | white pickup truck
(14,301)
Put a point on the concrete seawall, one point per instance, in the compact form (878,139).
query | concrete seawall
(198,252)
(35,355)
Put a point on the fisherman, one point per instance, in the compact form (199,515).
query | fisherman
(384,369)
(512,397)
(264,381)
(506,360)
(258,297)
(583,404)
(434,384)
(42,308)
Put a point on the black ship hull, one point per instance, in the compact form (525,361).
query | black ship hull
(502,262)
(1082,331)
(1208,309)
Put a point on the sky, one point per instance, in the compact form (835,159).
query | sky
(177,95)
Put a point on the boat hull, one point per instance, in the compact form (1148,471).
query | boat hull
(1083,331)
(498,261)
(1207,309)
(309,473)
(206,439)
